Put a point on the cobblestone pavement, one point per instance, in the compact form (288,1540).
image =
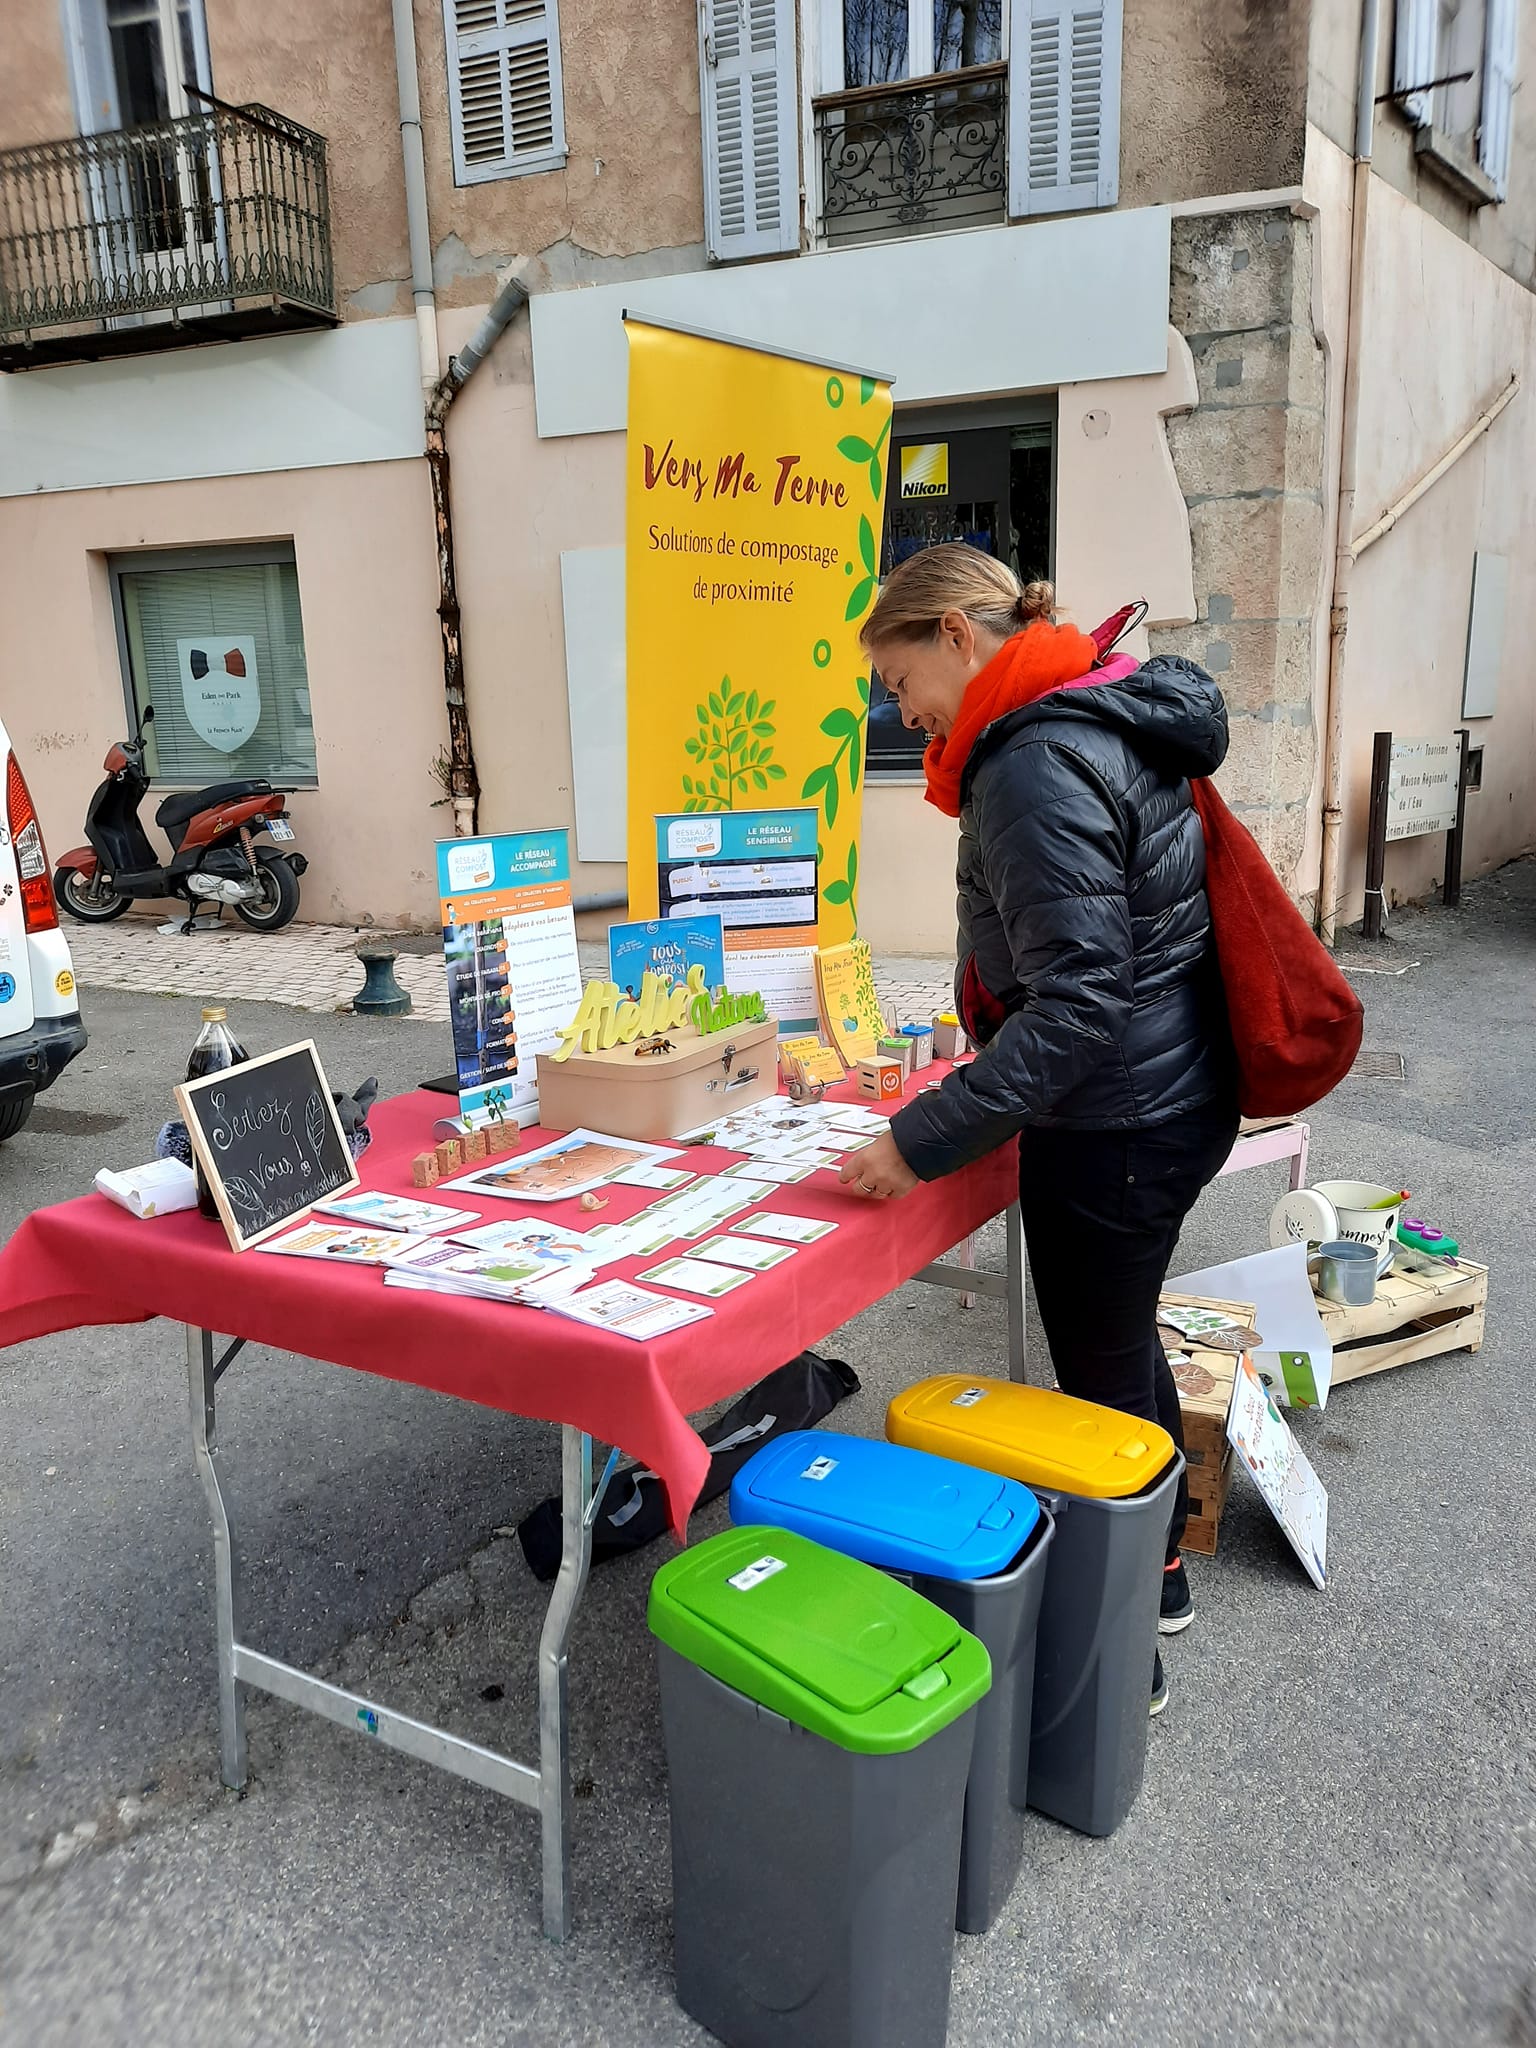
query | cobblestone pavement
(313,967)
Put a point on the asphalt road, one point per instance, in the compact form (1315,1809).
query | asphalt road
(1337,1838)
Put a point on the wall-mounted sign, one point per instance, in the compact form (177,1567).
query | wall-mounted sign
(220,688)
(1422,789)
(925,470)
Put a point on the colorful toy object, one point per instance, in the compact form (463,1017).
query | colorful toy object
(1424,1237)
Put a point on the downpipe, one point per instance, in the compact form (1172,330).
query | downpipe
(1349,474)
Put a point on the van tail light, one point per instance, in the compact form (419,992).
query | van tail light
(37,904)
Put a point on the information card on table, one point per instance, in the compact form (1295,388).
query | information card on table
(509,940)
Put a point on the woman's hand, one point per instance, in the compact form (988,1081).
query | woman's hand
(879,1171)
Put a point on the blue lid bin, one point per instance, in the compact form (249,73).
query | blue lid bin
(974,1544)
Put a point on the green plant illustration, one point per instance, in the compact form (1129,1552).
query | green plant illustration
(859,597)
(731,750)
(824,785)
(868,454)
(842,891)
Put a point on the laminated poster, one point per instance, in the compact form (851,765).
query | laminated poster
(1280,1469)
(509,942)
(757,871)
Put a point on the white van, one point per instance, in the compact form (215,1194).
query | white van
(40,1027)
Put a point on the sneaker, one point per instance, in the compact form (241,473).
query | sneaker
(1177,1610)
(1159,1689)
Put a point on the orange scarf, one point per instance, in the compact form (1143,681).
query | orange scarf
(1031,664)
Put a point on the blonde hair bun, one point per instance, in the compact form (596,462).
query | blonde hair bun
(954,577)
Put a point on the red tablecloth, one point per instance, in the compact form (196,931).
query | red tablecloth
(88,1261)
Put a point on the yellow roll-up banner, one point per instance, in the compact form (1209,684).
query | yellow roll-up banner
(756,485)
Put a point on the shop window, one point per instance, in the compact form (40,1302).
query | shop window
(214,640)
(988,485)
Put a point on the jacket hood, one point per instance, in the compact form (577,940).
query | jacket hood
(1171,707)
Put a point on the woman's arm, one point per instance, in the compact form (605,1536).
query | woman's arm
(1053,850)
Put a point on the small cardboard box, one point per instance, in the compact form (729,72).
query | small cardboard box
(656,1096)
(880,1080)
(949,1039)
(921,1036)
(898,1049)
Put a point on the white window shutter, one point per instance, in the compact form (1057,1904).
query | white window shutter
(504,94)
(1063,105)
(1501,57)
(1415,47)
(751,127)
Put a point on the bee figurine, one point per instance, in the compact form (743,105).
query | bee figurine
(652,1046)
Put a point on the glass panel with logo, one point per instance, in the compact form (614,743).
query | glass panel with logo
(988,487)
(217,646)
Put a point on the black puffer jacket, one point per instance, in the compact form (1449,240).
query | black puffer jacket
(1082,899)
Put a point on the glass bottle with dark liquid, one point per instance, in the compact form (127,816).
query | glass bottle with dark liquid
(217,1048)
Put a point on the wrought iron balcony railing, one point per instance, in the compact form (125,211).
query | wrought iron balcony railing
(911,158)
(206,228)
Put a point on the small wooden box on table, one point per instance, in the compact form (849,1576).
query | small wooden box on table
(1205,1394)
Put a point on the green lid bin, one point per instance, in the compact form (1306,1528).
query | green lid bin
(831,1644)
(818,1722)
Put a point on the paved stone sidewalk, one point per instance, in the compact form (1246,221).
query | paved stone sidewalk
(314,967)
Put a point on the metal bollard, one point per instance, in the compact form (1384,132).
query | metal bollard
(381,995)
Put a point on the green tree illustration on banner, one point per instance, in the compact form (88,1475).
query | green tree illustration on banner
(732,751)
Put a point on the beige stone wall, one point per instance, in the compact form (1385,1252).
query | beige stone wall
(35,103)
(632,182)
(1505,233)
(1214,99)
(1250,459)
(367,587)
(1425,379)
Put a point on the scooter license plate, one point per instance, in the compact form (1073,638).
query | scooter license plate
(279,828)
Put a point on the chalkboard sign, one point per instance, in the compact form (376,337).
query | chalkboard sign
(267,1136)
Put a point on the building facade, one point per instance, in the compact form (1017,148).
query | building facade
(1105,249)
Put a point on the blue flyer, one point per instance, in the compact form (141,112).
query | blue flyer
(668,947)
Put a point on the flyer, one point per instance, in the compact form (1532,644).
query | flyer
(786,1229)
(509,944)
(697,1276)
(751,1253)
(629,1311)
(566,1167)
(666,947)
(342,1242)
(757,870)
(394,1212)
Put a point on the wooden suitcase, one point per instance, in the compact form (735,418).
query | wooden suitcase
(656,1096)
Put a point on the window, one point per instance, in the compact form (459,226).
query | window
(505,101)
(983,475)
(1454,64)
(941,114)
(214,641)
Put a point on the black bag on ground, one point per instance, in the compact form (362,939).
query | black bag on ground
(634,1509)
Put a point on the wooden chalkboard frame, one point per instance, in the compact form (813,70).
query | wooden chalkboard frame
(188,1094)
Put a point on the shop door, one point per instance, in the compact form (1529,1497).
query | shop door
(989,487)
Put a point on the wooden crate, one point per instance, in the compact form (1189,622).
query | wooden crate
(1205,1391)
(1414,1315)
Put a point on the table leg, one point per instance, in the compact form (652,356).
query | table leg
(1013,1225)
(1299,1157)
(965,1255)
(203,1374)
(578,1507)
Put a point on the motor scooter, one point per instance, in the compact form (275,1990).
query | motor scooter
(215,857)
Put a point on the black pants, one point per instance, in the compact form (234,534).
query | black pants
(1102,1212)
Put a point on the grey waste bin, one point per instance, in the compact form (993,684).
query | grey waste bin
(1109,1480)
(971,1542)
(818,1719)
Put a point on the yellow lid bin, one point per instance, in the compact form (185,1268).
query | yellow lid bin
(1045,1439)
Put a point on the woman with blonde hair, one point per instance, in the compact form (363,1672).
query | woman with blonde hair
(1087,973)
